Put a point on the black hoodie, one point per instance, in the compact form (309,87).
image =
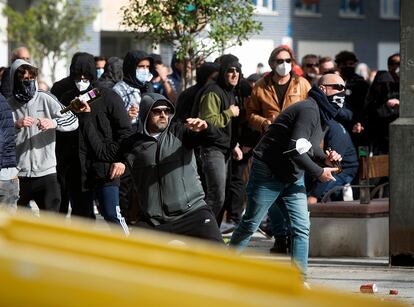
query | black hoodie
(129,68)
(304,119)
(112,73)
(163,169)
(227,95)
(82,64)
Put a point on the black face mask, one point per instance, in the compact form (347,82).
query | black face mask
(347,72)
(24,90)
(337,99)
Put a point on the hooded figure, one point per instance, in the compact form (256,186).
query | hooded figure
(218,106)
(188,101)
(37,117)
(83,64)
(112,73)
(136,81)
(164,172)
(129,68)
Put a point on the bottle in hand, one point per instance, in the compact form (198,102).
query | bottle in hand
(76,104)
(336,164)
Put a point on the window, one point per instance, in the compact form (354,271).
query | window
(307,8)
(265,6)
(390,9)
(351,8)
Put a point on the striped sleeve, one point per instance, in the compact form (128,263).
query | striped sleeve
(64,122)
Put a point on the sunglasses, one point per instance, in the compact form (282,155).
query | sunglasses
(281,61)
(158,111)
(233,70)
(338,87)
(309,65)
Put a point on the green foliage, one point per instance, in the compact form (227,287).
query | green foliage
(49,29)
(195,28)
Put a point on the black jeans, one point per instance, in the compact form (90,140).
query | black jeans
(235,191)
(215,166)
(43,190)
(200,223)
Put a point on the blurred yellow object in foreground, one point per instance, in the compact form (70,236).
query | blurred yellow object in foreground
(49,261)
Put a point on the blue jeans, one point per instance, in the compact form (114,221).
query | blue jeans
(108,197)
(319,189)
(262,191)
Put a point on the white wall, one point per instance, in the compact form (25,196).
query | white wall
(322,48)
(251,53)
(4,55)
(385,49)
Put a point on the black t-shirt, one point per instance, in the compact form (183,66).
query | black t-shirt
(281,91)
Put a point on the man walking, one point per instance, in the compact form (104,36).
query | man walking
(291,146)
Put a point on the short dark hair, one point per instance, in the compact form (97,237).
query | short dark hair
(390,58)
(310,56)
(324,59)
(100,58)
(21,70)
(345,56)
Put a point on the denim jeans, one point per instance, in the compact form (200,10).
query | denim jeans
(215,167)
(108,197)
(9,194)
(262,191)
(319,189)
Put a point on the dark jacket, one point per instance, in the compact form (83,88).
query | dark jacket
(100,133)
(305,119)
(7,136)
(67,143)
(5,87)
(227,96)
(163,169)
(379,115)
(187,102)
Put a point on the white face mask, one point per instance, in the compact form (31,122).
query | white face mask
(99,72)
(283,69)
(397,71)
(83,85)
(143,75)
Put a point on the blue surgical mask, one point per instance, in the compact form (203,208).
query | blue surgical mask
(143,75)
(82,85)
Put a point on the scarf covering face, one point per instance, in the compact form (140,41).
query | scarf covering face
(24,90)
(327,110)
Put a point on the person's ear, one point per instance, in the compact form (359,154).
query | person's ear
(322,88)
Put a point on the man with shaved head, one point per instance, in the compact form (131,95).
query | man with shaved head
(21,53)
(289,147)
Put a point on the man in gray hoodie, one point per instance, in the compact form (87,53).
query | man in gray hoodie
(36,117)
(161,160)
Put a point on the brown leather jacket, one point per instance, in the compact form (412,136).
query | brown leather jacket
(263,103)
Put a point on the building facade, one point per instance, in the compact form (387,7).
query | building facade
(370,28)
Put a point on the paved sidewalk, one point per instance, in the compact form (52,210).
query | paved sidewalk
(347,274)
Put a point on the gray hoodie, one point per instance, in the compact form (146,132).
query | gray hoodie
(35,149)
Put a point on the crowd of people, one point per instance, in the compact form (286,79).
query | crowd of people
(150,153)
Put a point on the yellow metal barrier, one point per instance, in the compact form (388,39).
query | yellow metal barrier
(45,262)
